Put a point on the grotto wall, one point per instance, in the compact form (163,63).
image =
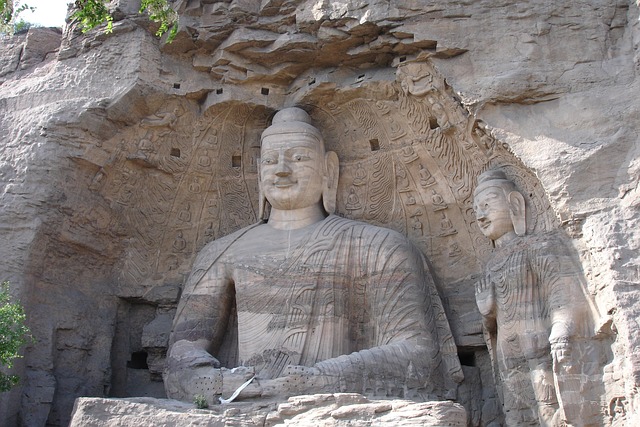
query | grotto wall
(123,156)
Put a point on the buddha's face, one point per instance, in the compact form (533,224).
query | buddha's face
(493,212)
(291,171)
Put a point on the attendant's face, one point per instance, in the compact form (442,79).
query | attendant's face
(493,212)
(291,171)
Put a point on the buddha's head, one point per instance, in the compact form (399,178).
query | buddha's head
(499,206)
(295,170)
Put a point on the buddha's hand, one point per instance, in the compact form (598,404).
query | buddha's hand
(295,380)
(484,297)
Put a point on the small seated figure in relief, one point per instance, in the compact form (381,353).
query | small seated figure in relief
(185,214)
(204,160)
(438,202)
(146,149)
(353,202)
(409,154)
(417,226)
(446,226)
(426,179)
(533,309)
(361,176)
(402,181)
(309,302)
(454,250)
(195,187)
(179,243)
(145,146)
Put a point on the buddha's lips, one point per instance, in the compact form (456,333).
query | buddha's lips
(283,183)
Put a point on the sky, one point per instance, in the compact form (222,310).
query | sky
(48,13)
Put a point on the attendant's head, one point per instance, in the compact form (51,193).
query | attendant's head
(295,170)
(499,207)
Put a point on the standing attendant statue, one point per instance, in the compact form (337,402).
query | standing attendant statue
(533,308)
(309,302)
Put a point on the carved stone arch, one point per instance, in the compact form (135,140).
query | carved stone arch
(409,159)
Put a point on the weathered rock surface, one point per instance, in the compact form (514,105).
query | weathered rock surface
(106,198)
(321,410)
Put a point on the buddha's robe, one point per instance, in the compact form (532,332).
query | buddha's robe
(349,299)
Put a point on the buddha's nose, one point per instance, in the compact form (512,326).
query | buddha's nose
(283,169)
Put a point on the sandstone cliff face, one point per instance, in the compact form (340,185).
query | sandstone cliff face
(122,156)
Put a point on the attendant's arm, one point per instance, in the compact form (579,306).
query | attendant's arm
(566,302)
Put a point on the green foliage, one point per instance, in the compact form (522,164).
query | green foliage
(21,25)
(159,11)
(6,11)
(13,335)
(200,401)
(9,12)
(91,13)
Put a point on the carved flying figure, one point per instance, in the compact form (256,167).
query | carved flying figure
(533,308)
(167,119)
(309,302)
(419,85)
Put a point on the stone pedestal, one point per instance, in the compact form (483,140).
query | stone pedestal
(340,409)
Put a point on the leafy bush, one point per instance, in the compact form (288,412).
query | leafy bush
(13,335)
(200,401)
(159,11)
(92,13)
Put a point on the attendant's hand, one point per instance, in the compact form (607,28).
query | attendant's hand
(485,298)
(561,351)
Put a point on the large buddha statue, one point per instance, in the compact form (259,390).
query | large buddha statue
(535,312)
(309,302)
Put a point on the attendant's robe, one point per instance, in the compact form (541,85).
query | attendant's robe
(537,296)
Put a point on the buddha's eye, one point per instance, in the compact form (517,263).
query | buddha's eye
(268,161)
(298,157)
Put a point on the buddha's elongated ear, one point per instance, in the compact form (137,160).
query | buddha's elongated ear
(263,211)
(517,212)
(330,182)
